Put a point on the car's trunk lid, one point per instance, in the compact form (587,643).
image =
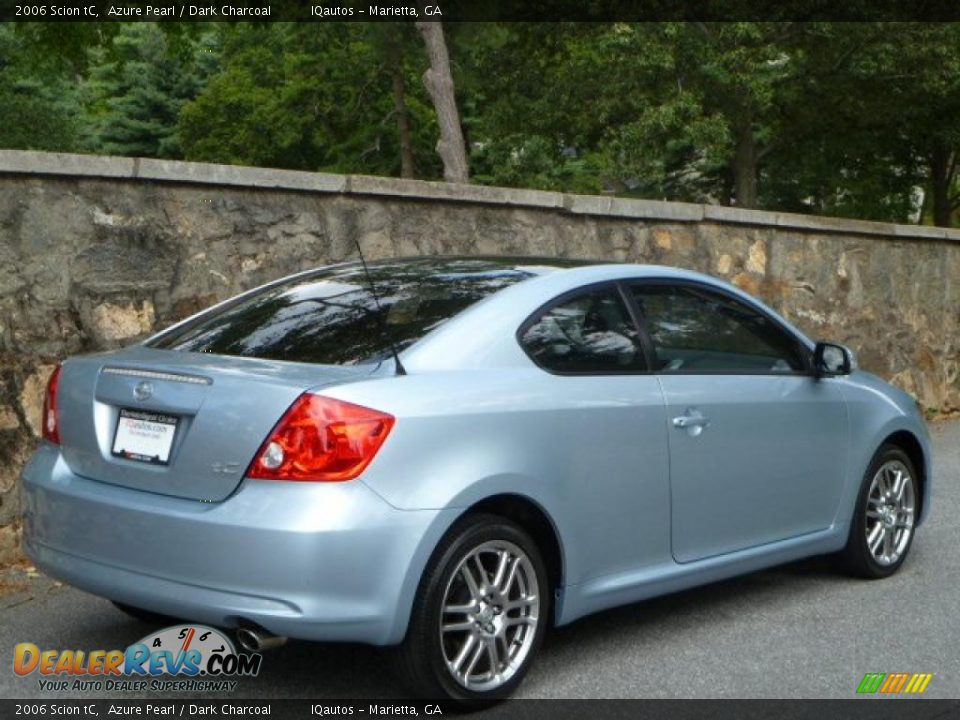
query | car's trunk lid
(191,423)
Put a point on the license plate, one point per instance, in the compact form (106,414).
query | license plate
(145,436)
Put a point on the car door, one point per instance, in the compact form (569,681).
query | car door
(601,440)
(756,443)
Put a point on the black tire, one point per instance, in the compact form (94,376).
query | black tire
(856,556)
(420,661)
(147,617)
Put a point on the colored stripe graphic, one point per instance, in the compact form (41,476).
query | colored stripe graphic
(918,683)
(893,683)
(871,682)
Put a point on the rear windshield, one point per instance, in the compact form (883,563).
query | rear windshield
(330,316)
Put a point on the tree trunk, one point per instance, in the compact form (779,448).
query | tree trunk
(439,83)
(941,180)
(403,116)
(745,167)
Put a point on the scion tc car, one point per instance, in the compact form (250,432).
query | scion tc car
(449,455)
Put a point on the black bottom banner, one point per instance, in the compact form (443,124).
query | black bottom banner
(865,709)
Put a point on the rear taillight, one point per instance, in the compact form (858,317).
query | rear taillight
(51,418)
(321,439)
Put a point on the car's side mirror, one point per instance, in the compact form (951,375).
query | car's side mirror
(831,359)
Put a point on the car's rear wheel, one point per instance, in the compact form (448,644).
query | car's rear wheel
(884,517)
(480,613)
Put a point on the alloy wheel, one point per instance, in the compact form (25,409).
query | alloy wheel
(490,614)
(890,512)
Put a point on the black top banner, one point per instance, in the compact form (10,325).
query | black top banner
(474,10)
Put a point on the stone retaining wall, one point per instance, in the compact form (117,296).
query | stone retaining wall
(96,252)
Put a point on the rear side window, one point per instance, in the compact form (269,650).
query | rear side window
(331,316)
(695,330)
(588,333)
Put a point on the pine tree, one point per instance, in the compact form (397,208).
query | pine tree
(135,90)
(37,105)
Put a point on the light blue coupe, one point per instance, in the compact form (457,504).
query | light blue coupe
(449,455)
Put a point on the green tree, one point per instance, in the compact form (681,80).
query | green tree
(833,118)
(531,104)
(677,110)
(136,87)
(850,119)
(910,77)
(314,97)
(38,102)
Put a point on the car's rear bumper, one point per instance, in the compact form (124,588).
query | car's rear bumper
(319,561)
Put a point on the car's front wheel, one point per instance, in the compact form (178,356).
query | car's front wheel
(480,613)
(884,517)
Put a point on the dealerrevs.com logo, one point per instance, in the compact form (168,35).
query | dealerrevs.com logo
(203,658)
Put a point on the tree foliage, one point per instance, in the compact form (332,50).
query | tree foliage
(853,119)
(38,106)
(137,87)
(312,97)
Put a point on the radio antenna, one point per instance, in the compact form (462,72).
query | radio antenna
(384,330)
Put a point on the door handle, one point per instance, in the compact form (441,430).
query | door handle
(692,421)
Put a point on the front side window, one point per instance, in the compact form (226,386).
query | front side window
(587,333)
(696,330)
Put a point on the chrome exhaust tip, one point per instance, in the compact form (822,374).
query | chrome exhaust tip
(257,640)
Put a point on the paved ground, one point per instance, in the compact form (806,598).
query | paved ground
(798,631)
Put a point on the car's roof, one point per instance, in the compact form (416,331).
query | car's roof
(483,335)
(531,264)
(539,265)
(574,271)
(562,270)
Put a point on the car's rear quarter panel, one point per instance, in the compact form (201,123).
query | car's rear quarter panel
(590,451)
